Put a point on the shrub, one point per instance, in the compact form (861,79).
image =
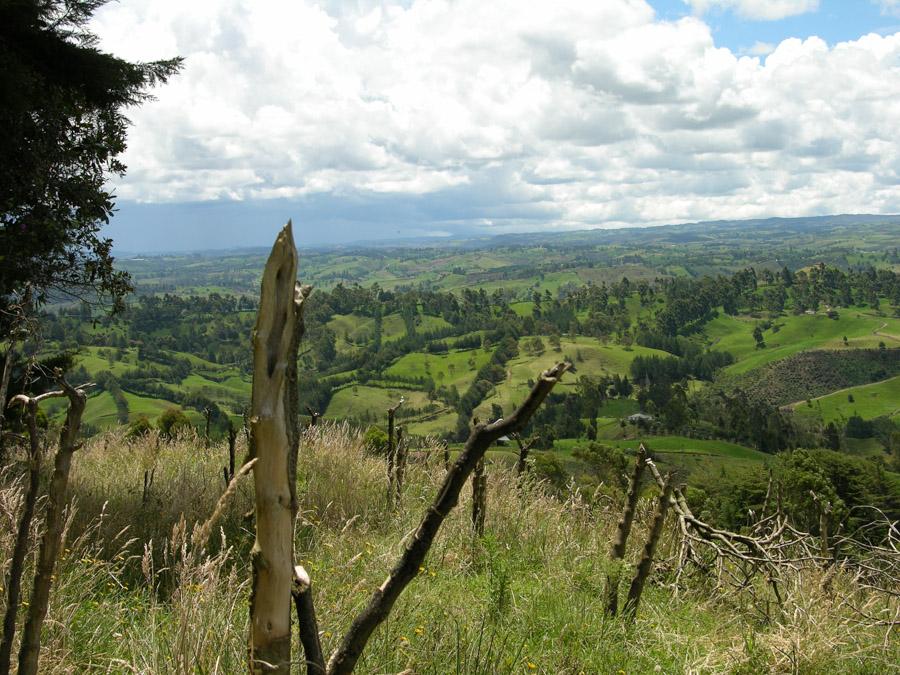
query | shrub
(172,421)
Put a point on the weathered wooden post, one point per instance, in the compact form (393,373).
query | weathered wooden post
(29,651)
(522,460)
(617,554)
(479,498)
(400,465)
(313,416)
(228,471)
(274,441)
(391,450)
(207,413)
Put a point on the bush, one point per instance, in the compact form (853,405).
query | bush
(171,422)
(139,428)
(375,441)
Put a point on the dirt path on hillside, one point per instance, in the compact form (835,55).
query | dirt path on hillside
(878,332)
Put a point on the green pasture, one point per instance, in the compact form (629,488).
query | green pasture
(796,334)
(360,400)
(589,357)
(100,410)
(457,367)
(869,401)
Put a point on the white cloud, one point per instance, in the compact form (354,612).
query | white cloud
(570,114)
(891,7)
(761,49)
(759,10)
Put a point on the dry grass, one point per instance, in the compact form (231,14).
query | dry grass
(134,594)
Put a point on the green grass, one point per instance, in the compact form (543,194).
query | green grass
(100,411)
(671,445)
(869,401)
(796,334)
(359,400)
(457,367)
(596,359)
(528,597)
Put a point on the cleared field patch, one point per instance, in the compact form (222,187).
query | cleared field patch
(97,359)
(434,426)
(361,401)
(795,334)
(457,367)
(101,412)
(671,445)
(588,355)
(869,401)
(351,330)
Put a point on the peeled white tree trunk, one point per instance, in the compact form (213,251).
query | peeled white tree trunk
(274,439)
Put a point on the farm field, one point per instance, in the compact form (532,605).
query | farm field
(869,401)
(361,401)
(795,334)
(589,356)
(455,368)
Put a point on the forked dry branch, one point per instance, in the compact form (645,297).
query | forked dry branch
(345,657)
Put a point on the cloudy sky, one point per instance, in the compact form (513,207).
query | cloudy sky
(367,120)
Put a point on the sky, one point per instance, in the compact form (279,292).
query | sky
(366,120)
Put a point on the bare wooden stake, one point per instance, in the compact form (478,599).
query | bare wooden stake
(617,554)
(306,620)
(345,657)
(148,483)
(274,438)
(400,465)
(29,651)
(524,447)
(479,498)
(232,445)
(313,416)
(391,451)
(646,562)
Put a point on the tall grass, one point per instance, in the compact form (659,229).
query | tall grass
(134,594)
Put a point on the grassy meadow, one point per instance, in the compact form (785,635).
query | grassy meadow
(137,592)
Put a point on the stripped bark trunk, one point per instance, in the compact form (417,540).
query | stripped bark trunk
(617,554)
(646,562)
(479,498)
(306,620)
(345,657)
(29,651)
(274,438)
(17,564)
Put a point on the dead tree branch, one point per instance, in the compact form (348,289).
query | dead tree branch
(617,554)
(29,650)
(646,562)
(345,657)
